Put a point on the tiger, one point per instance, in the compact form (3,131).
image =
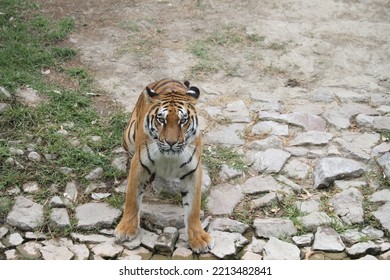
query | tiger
(162,138)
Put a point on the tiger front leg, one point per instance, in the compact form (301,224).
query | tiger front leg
(199,240)
(128,227)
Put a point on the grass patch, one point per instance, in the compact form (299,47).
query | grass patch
(215,156)
(60,127)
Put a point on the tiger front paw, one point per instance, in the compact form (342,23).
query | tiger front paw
(126,230)
(200,241)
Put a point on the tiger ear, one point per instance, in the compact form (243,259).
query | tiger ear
(193,92)
(151,92)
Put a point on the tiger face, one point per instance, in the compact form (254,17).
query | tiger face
(172,123)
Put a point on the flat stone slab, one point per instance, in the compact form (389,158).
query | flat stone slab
(93,215)
(314,220)
(297,169)
(348,205)
(270,161)
(328,170)
(59,217)
(301,119)
(226,135)
(311,138)
(52,252)
(227,243)
(384,162)
(380,196)
(276,249)
(261,184)
(107,249)
(229,225)
(363,248)
(383,215)
(25,214)
(270,128)
(163,215)
(276,227)
(327,239)
(223,198)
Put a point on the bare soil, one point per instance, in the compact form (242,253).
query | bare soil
(230,48)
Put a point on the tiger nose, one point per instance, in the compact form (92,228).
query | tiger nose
(171,143)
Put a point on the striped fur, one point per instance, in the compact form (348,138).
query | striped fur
(162,139)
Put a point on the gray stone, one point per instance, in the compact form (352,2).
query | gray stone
(227,244)
(34,156)
(346,96)
(53,252)
(260,184)
(297,169)
(297,151)
(56,202)
(301,119)
(30,250)
(120,163)
(327,239)
(14,239)
(166,241)
(251,256)
(276,249)
(182,253)
(380,149)
(71,191)
(383,215)
(384,162)
(28,96)
(163,215)
(385,256)
(348,205)
(25,214)
(272,141)
(15,151)
(148,239)
(314,220)
(328,170)
(276,227)
(352,150)
(103,215)
(382,123)
(59,217)
(5,92)
(308,206)
(95,174)
(3,231)
(289,184)
(80,251)
(365,120)
(237,112)
(11,254)
(107,249)
(218,135)
(323,95)
(228,173)
(30,187)
(265,200)
(90,238)
(368,258)
(303,240)
(311,138)
(373,233)
(94,186)
(35,236)
(363,248)
(223,198)
(343,185)
(256,246)
(270,128)
(270,161)
(229,225)
(380,196)
(352,236)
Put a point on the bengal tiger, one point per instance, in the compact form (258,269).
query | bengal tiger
(163,139)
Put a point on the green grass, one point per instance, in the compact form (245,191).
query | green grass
(30,43)
(215,156)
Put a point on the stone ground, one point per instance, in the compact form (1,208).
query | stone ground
(309,110)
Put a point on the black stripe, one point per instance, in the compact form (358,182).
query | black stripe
(143,165)
(183,194)
(189,160)
(147,151)
(165,83)
(189,173)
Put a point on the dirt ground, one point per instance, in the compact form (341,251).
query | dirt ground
(230,48)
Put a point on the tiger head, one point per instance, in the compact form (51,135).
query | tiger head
(172,119)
